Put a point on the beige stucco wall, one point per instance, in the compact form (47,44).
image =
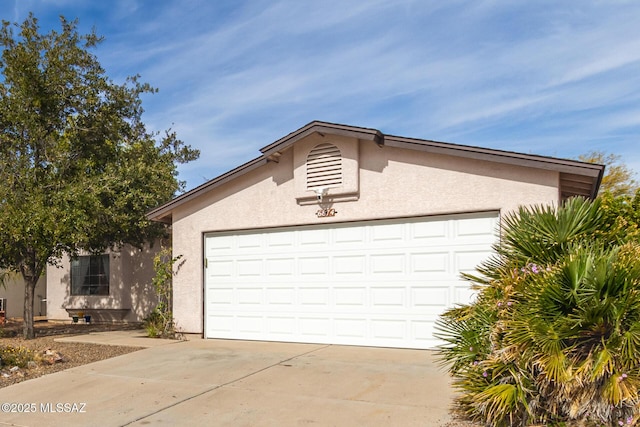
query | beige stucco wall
(130,288)
(13,291)
(392,182)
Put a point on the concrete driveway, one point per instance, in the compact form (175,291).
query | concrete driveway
(239,383)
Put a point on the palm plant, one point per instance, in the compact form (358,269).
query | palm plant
(554,334)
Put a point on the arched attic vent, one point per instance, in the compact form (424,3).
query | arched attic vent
(324,166)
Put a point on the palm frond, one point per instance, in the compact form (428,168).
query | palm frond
(553,336)
(501,402)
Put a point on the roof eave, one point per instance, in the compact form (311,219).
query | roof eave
(499,156)
(591,170)
(274,150)
(163,213)
(365,134)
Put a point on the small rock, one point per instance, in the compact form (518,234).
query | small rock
(52,356)
(31,364)
(14,369)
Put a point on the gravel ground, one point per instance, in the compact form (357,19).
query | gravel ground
(461,423)
(72,354)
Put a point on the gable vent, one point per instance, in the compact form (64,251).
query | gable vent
(324,166)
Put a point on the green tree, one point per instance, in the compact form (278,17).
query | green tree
(621,216)
(618,179)
(78,168)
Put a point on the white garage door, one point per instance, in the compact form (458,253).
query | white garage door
(376,283)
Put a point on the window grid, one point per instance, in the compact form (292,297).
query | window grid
(90,275)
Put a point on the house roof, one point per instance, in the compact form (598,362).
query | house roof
(576,178)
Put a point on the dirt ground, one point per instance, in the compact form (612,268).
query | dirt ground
(56,356)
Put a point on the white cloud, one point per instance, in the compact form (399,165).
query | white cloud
(547,77)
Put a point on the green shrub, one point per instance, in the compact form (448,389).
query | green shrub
(159,326)
(15,356)
(554,334)
(160,323)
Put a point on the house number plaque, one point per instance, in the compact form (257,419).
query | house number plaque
(323,213)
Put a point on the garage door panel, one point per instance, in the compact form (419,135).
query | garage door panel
(389,329)
(350,297)
(463,294)
(482,227)
(390,263)
(349,237)
(314,266)
(281,296)
(314,296)
(387,232)
(431,296)
(247,242)
(318,326)
(249,324)
(221,269)
(222,244)
(221,325)
(429,231)
(467,260)
(280,266)
(280,240)
(220,296)
(281,326)
(388,297)
(351,328)
(349,265)
(248,267)
(430,263)
(380,283)
(250,296)
(422,331)
(315,238)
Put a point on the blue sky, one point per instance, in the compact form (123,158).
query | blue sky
(556,78)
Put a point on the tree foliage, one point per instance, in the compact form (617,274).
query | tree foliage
(78,167)
(618,179)
(621,216)
(553,337)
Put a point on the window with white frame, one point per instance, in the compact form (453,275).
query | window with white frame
(90,275)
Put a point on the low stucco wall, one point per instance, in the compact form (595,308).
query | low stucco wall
(393,182)
(131,295)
